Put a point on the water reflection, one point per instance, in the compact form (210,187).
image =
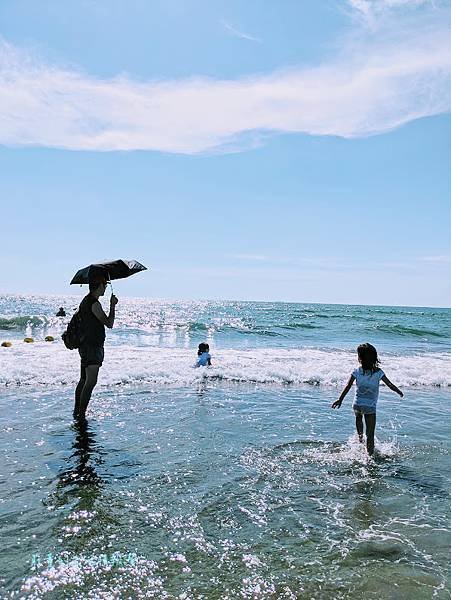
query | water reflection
(81,481)
(201,389)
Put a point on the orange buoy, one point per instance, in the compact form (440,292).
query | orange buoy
(28,340)
(49,338)
(6,344)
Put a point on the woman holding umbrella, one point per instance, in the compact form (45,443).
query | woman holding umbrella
(91,349)
(93,323)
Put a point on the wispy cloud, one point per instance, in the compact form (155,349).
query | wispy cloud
(335,263)
(375,84)
(239,34)
(443,259)
(377,7)
(249,257)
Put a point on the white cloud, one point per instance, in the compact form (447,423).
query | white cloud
(376,83)
(239,34)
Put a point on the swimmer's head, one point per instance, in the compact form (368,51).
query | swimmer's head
(203,347)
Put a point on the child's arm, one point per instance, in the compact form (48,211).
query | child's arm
(346,389)
(391,385)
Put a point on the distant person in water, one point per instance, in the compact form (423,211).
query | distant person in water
(203,356)
(61,312)
(91,350)
(367,378)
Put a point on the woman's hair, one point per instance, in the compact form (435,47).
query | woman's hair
(203,347)
(94,284)
(96,277)
(368,357)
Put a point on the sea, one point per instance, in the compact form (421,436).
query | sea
(235,481)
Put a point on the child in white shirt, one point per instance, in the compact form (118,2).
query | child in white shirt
(367,378)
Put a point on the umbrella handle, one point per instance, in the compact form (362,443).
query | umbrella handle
(111,285)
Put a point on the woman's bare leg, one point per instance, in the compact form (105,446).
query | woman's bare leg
(92,372)
(78,391)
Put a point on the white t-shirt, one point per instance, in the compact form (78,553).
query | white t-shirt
(367,387)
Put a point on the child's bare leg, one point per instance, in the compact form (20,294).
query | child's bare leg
(370,423)
(359,426)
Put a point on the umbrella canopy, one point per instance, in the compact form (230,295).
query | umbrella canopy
(113,269)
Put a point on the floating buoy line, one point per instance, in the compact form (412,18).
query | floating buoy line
(27,340)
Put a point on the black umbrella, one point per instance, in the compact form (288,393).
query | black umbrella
(113,269)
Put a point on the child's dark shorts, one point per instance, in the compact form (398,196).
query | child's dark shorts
(364,410)
(91,355)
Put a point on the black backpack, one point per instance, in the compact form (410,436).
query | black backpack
(73,336)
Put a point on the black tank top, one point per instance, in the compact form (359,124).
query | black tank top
(93,329)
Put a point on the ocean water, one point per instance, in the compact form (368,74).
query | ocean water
(234,481)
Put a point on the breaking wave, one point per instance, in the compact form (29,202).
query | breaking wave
(22,322)
(43,364)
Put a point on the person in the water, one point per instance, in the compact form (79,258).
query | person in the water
(91,349)
(61,312)
(367,378)
(203,356)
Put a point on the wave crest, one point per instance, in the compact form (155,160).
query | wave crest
(52,364)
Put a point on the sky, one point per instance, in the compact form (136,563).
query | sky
(294,151)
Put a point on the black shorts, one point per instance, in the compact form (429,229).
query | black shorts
(364,410)
(91,355)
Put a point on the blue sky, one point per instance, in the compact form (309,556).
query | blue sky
(294,151)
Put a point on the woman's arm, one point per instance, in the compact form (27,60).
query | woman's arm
(346,389)
(97,310)
(391,385)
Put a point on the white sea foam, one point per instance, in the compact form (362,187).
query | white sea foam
(45,364)
(352,452)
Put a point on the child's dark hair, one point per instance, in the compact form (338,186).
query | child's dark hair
(368,357)
(203,347)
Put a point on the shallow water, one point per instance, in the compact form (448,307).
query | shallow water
(222,492)
(235,482)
